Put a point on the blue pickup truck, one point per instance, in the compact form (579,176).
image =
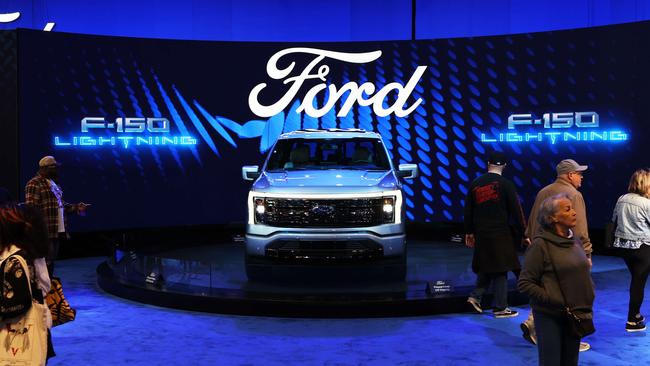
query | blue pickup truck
(326,196)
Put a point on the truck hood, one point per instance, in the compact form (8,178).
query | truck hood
(326,181)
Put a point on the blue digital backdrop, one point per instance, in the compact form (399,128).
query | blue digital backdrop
(545,82)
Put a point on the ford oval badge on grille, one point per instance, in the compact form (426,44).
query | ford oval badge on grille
(322,210)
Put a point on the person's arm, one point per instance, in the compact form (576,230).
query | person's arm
(70,208)
(581,228)
(15,283)
(469,219)
(77,208)
(530,278)
(515,210)
(32,194)
(42,276)
(532,220)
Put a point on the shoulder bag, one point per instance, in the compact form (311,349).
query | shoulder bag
(61,310)
(23,339)
(581,321)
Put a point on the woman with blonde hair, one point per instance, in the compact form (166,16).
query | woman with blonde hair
(632,238)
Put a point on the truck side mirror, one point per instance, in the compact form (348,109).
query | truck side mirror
(407,171)
(250,172)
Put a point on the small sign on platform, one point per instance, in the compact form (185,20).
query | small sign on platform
(456,238)
(438,287)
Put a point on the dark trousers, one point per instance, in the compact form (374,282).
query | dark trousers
(556,345)
(53,253)
(499,283)
(638,263)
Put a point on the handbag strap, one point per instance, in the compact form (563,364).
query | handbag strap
(559,284)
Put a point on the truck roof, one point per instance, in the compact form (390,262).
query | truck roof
(338,133)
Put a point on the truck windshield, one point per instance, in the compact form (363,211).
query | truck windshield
(348,153)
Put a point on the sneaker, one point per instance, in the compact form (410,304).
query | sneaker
(527,334)
(584,346)
(475,304)
(637,318)
(635,326)
(505,313)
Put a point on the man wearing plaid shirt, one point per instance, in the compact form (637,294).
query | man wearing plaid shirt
(43,193)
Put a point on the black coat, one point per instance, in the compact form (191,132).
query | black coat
(495,252)
(494,215)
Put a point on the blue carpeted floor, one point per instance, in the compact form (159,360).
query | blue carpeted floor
(112,331)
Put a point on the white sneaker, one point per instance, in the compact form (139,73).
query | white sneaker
(505,313)
(635,326)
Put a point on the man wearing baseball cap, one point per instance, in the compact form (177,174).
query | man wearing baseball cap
(491,204)
(569,179)
(44,193)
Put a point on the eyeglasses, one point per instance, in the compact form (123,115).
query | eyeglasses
(578,173)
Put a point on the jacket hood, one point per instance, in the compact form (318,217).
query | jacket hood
(556,239)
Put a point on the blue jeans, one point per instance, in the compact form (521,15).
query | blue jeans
(556,345)
(500,284)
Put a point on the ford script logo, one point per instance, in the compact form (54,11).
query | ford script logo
(322,210)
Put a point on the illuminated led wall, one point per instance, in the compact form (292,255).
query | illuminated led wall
(155,132)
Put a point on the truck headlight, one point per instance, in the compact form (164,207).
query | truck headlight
(260,208)
(388,209)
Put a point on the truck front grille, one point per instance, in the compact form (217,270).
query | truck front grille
(324,250)
(319,213)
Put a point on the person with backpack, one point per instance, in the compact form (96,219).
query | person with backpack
(25,319)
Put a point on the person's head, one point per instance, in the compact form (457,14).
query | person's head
(48,167)
(36,241)
(25,227)
(496,162)
(12,226)
(556,213)
(640,183)
(571,171)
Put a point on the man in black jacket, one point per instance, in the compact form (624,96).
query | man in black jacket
(492,213)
